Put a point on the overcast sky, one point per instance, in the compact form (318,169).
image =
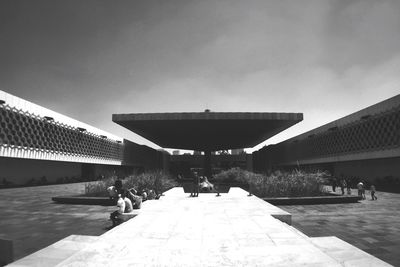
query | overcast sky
(90,59)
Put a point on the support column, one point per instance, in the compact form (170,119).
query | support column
(207,163)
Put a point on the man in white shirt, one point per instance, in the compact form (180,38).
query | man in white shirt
(124,205)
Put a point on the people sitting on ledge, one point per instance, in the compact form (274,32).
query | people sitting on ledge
(135,197)
(124,205)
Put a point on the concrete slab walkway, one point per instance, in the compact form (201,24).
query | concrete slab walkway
(231,230)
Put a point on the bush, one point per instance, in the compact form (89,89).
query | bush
(279,183)
(289,184)
(234,175)
(157,181)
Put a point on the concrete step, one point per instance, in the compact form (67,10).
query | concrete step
(57,252)
(297,231)
(345,253)
(341,251)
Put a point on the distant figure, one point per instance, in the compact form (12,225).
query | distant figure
(363,190)
(334,184)
(373,193)
(360,187)
(343,185)
(348,188)
(195,185)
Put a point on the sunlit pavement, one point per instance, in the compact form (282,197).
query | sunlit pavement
(373,226)
(231,230)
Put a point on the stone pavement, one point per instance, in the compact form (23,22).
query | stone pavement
(373,226)
(239,232)
(33,221)
(231,230)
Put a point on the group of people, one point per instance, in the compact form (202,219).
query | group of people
(127,199)
(342,183)
(196,185)
(200,183)
(361,191)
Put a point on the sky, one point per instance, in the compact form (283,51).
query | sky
(91,59)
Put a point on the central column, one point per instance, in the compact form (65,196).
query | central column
(207,163)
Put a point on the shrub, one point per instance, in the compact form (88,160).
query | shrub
(279,183)
(289,184)
(233,175)
(157,181)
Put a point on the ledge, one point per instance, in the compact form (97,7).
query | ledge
(332,199)
(83,200)
(187,188)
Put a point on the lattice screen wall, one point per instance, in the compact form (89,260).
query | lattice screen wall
(370,133)
(21,130)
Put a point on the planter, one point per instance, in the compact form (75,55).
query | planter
(329,199)
(82,200)
(221,188)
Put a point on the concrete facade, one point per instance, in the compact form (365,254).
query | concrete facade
(48,144)
(364,144)
(207,131)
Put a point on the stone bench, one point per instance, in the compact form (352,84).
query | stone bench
(127,216)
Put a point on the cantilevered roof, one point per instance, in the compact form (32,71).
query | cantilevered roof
(207,130)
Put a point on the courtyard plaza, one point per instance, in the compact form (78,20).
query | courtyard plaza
(373,226)
(231,230)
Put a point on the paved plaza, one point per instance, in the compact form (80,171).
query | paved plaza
(231,230)
(373,226)
(33,221)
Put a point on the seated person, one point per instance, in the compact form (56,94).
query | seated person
(121,208)
(135,199)
(151,194)
(205,185)
(115,190)
(144,195)
(128,203)
(133,191)
(124,205)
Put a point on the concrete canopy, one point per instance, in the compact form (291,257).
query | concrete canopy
(207,131)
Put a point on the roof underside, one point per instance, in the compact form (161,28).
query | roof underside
(207,130)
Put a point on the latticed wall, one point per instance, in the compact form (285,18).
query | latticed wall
(22,133)
(369,134)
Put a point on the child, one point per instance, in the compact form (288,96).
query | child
(373,193)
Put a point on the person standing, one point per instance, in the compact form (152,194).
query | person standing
(193,191)
(343,185)
(197,185)
(348,187)
(334,183)
(360,187)
(373,193)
